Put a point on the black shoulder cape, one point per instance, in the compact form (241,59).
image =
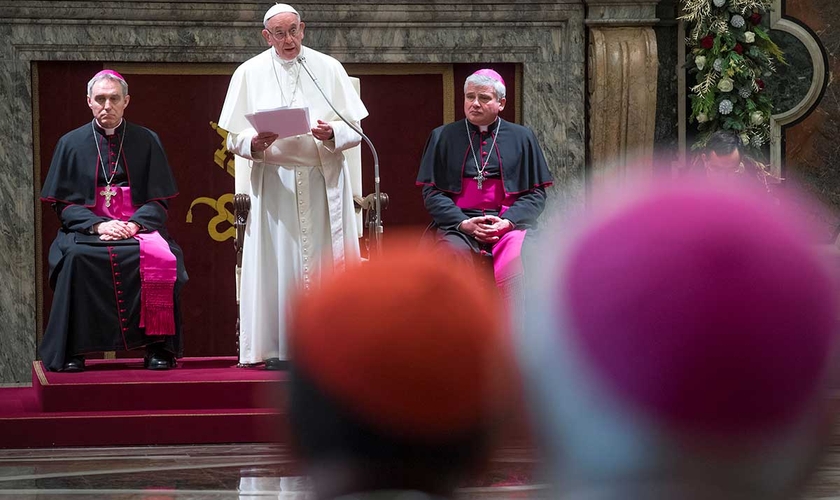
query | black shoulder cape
(75,170)
(444,158)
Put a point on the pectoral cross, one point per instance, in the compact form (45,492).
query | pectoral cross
(479,179)
(110,192)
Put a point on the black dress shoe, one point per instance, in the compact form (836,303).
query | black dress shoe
(74,364)
(159,360)
(276,364)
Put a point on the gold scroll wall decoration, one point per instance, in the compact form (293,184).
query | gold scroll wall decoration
(224,204)
(222,156)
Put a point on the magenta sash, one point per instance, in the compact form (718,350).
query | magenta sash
(507,252)
(158,267)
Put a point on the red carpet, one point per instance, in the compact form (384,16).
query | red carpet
(117,402)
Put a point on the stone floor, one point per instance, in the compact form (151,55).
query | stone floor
(204,472)
(826,483)
(246,472)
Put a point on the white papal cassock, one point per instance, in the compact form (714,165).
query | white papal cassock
(302,222)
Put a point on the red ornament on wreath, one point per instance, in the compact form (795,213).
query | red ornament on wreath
(707,42)
(759,83)
(738,48)
(755,19)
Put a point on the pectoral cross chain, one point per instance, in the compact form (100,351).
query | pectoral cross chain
(480,178)
(110,192)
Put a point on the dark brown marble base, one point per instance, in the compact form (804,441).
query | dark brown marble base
(812,155)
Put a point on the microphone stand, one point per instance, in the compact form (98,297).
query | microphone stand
(375,228)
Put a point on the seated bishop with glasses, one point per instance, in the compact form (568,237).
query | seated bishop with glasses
(115,270)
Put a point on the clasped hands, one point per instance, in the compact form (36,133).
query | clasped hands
(486,228)
(323,132)
(113,230)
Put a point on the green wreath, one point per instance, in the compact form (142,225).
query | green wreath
(730,55)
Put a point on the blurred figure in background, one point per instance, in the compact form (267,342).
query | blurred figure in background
(722,155)
(679,347)
(723,159)
(405,396)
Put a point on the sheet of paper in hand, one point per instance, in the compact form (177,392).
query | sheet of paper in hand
(283,121)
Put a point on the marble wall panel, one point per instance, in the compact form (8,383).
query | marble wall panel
(811,153)
(666,139)
(17,230)
(546,38)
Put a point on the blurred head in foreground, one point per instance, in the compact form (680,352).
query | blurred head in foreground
(399,371)
(678,347)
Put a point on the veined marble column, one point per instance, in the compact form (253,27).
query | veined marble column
(622,75)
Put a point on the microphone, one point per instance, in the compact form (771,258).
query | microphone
(375,228)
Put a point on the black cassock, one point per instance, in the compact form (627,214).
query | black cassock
(96,305)
(514,155)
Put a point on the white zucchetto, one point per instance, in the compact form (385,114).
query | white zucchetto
(279,8)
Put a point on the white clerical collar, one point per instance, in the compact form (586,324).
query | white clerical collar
(286,63)
(484,128)
(109,131)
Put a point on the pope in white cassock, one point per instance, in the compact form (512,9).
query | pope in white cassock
(302,223)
